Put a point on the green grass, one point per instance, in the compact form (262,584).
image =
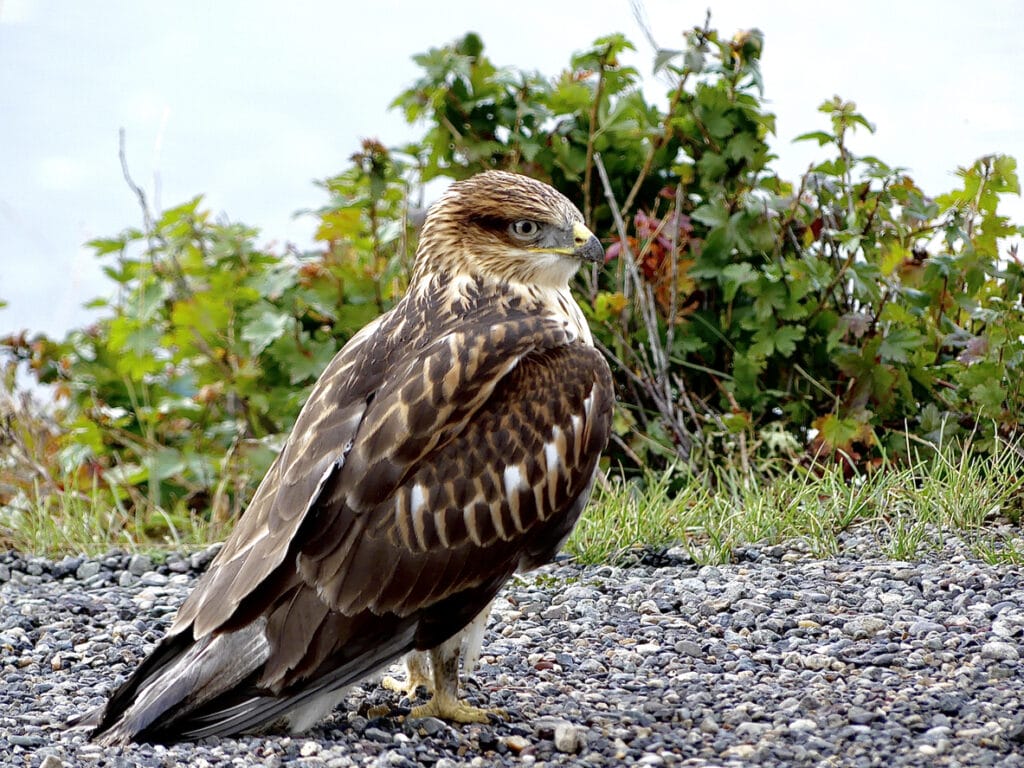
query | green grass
(909,511)
(90,524)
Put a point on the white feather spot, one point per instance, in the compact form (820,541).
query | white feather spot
(418,499)
(552,456)
(469,518)
(417,508)
(577,423)
(588,404)
(513,478)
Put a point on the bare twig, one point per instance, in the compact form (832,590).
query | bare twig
(654,363)
(147,215)
(666,126)
(588,212)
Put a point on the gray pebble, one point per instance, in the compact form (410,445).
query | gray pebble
(139,564)
(567,738)
(87,570)
(1000,650)
(153,579)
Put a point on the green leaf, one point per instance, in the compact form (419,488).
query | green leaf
(608,305)
(898,344)
(786,337)
(711,214)
(262,324)
(734,276)
(742,146)
(271,283)
(712,166)
(989,395)
(662,58)
(819,136)
(839,433)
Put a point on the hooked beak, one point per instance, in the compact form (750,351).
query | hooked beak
(586,245)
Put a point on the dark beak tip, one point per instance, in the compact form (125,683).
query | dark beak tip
(592,250)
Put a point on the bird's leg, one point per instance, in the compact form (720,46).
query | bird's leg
(416,674)
(445,702)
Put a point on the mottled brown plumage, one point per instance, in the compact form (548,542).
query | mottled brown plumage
(451,442)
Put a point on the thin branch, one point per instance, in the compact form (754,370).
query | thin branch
(666,125)
(147,216)
(657,383)
(592,131)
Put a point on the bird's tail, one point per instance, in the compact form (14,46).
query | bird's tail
(179,677)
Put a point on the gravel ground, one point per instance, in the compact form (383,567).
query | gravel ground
(778,659)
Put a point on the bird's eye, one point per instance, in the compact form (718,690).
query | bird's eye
(524,229)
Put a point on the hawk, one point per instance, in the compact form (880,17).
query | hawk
(450,443)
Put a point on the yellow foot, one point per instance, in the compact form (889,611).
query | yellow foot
(405,687)
(457,711)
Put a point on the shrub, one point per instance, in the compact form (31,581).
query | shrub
(181,396)
(750,319)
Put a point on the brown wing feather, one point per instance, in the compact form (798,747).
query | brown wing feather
(261,539)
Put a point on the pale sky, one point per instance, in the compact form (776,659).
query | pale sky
(249,102)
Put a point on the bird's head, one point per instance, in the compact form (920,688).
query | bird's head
(504,226)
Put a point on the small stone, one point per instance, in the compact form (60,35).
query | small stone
(860,716)
(751,730)
(950,703)
(689,648)
(51,761)
(20,740)
(199,560)
(709,725)
(864,626)
(139,564)
(377,734)
(67,566)
(592,667)
(742,751)
(126,579)
(651,758)
(1015,733)
(555,613)
(87,570)
(309,749)
(1008,626)
(816,661)
(431,726)
(803,725)
(153,579)
(1000,651)
(924,627)
(516,743)
(178,566)
(567,738)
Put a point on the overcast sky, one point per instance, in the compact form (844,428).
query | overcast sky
(248,102)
